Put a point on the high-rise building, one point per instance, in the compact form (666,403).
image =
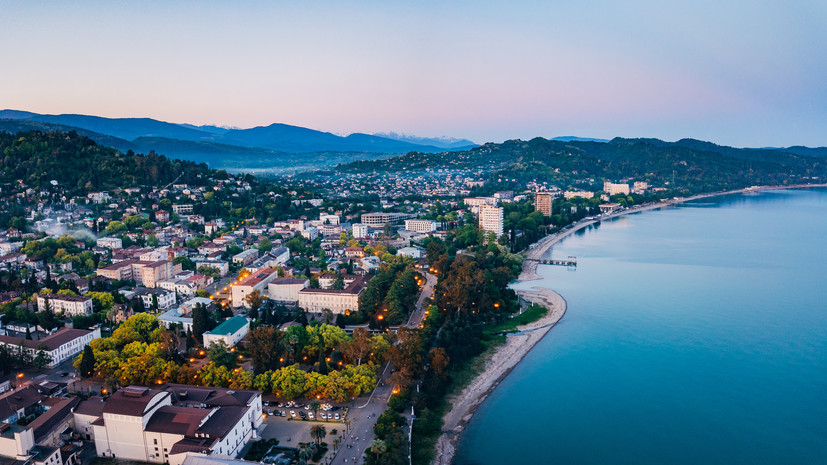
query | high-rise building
(612,188)
(360,230)
(542,203)
(491,219)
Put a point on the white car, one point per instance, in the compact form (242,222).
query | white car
(336,415)
(293,413)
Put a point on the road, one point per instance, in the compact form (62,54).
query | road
(364,414)
(427,292)
(362,417)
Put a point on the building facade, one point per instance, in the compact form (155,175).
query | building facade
(491,219)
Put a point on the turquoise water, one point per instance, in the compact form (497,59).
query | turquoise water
(694,335)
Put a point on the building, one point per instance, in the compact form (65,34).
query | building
(163,425)
(606,208)
(162,216)
(164,297)
(491,219)
(329,219)
(542,202)
(310,233)
(286,290)
(568,195)
(246,257)
(360,230)
(379,219)
(257,281)
(66,304)
(152,272)
(231,331)
(182,209)
(615,188)
(421,226)
(59,346)
(504,196)
(338,301)
(110,242)
(413,252)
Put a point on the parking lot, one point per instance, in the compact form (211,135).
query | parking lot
(291,424)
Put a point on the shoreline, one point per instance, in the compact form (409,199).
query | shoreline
(517,347)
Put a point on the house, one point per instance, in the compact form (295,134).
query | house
(162,216)
(231,331)
(110,243)
(164,297)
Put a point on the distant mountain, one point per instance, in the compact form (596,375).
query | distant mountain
(441,142)
(122,128)
(578,139)
(278,137)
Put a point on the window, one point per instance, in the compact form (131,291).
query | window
(155,441)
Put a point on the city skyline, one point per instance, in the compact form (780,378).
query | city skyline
(738,74)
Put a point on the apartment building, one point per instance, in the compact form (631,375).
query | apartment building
(491,219)
(66,304)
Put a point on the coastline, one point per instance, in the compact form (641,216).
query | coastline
(506,357)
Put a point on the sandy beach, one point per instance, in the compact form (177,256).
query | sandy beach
(496,369)
(517,346)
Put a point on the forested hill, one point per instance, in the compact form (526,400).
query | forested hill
(695,166)
(79,165)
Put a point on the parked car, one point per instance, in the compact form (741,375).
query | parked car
(293,413)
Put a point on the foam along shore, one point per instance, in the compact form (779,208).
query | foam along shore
(517,346)
(497,368)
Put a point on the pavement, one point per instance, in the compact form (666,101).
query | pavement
(427,292)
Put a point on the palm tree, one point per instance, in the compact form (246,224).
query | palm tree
(318,432)
(305,454)
(314,405)
(378,447)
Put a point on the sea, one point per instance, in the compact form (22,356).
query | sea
(695,334)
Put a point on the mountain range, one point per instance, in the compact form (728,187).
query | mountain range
(276,145)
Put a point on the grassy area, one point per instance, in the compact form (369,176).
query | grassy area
(531,314)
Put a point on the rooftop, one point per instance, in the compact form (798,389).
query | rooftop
(230,326)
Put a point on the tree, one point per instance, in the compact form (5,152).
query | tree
(315,405)
(220,354)
(339,282)
(42,358)
(323,368)
(318,432)
(378,447)
(87,362)
(264,348)
(359,347)
(201,321)
(265,245)
(254,300)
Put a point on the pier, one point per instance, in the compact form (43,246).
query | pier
(570,261)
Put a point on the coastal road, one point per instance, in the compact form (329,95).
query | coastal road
(362,417)
(363,414)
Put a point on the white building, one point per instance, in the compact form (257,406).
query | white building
(163,425)
(245,257)
(329,219)
(413,252)
(257,281)
(310,233)
(615,188)
(231,331)
(110,242)
(338,301)
(60,346)
(421,226)
(360,230)
(286,290)
(491,219)
(66,304)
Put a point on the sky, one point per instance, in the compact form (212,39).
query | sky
(742,73)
